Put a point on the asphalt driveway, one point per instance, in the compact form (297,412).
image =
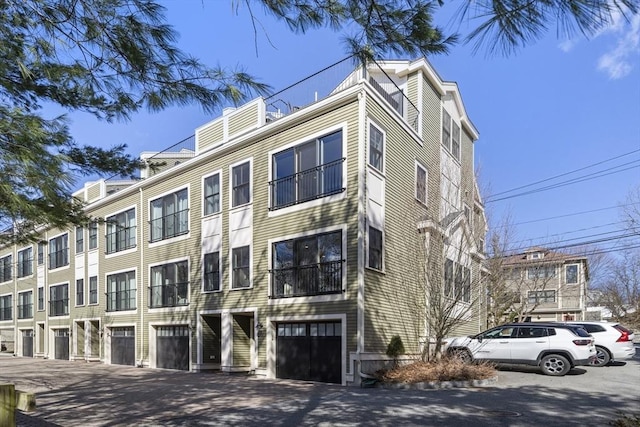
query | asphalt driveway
(81,394)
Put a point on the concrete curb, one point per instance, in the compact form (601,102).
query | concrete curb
(438,385)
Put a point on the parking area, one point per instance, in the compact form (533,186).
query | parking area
(83,394)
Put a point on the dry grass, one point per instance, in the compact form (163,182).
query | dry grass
(449,369)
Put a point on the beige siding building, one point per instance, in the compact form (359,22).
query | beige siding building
(287,243)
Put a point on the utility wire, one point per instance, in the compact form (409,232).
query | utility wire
(566,173)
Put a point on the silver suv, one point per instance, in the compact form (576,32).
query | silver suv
(555,348)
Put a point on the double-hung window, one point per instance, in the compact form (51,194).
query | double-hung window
(307,266)
(41,248)
(41,298)
(376,147)
(457,281)
(212,194)
(25,262)
(375,248)
(5,268)
(241,184)
(79,291)
(6,307)
(450,135)
(170,285)
(59,300)
(25,305)
(93,290)
(211,272)
(121,291)
(93,235)
(121,231)
(241,267)
(307,171)
(59,251)
(170,216)
(79,240)
(421,184)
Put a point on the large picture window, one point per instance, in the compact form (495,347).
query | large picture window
(170,216)
(59,251)
(212,272)
(121,231)
(59,300)
(25,305)
(6,307)
(212,194)
(170,285)
(307,266)
(307,171)
(121,291)
(25,262)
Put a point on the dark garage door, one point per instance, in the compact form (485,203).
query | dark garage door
(123,346)
(173,347)
(310,351)
(62,344)
(27,343)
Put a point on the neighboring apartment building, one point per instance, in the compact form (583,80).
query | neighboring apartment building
(284,244)
(548,285)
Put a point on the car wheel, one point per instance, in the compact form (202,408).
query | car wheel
(554,364)
(602,357)
(461,354)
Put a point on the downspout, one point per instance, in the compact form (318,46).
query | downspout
(141,275)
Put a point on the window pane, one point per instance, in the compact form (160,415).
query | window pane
(375,147)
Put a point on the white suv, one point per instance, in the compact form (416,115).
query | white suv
(613,341)
(554,347)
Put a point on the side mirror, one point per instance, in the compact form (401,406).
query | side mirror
(479,339)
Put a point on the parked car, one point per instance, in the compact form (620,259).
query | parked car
(556,348)
(613,341)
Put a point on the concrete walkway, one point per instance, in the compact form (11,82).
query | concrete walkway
(81,394)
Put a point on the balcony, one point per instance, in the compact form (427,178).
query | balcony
(168,226)
(307,280)
(59,307)
(25,311)
(321,181)
(169,295)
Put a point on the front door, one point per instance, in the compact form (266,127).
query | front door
(62,344)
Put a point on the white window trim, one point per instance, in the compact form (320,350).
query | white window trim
(202,186)
(33,262)
(47,299)
(419,164)
(75,294)
(220,267)
(577,273)
(231,288)
(231,166)
(137,235)
(89,303)
(148,286)
(106,291)
(185,236)
(371,123)
(317,202)
(318,298)
(88,244)
(47,253)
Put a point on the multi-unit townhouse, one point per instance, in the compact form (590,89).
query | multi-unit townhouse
(284,243)
(548,285)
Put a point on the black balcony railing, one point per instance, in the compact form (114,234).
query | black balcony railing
(121,300)
(307,280)
(25,311)
(321,181)
(169,295)
(59,307)
(5,313)
(122,239)
(58,258)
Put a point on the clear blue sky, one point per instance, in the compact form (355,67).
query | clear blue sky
(554,107)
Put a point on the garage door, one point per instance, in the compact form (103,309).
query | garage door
(27,343)
(62,344)
(310,351)
(172,347)
(123,346)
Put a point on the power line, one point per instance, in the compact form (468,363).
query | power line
(567,173)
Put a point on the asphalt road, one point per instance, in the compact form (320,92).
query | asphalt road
(81,394)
